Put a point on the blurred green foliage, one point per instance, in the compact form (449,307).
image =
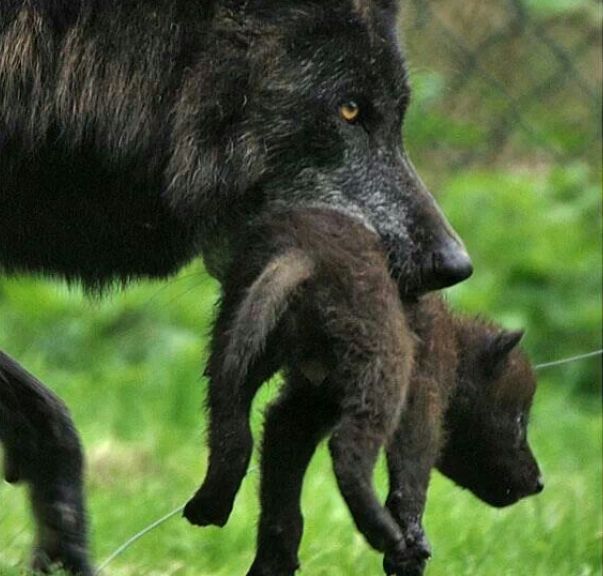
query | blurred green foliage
(546,8)
(536,244)
(505,128)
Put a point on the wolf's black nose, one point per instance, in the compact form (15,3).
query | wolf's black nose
(539,486)
(449,265)
(452,266)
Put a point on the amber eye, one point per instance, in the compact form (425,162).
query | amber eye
(350,112)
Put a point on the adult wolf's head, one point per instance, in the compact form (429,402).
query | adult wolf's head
(324,103)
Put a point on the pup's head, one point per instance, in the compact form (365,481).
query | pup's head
(487,449)
(323,109)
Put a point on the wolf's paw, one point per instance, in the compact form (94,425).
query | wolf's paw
(273,567)
(12,469)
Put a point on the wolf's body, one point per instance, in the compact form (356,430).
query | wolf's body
(137,135)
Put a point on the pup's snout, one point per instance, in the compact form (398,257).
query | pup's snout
(448,266)
(539,485)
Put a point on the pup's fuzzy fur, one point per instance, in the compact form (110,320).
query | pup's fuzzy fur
(310,292)
(469,395)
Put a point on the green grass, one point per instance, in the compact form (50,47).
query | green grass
(129,367)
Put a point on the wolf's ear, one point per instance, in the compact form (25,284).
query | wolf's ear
(498,349)
(391,5)
(365,7)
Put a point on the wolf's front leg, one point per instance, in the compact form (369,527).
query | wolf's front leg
(42,449)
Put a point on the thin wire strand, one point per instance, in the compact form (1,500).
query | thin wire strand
(569,360)
(148,529)
(137,537)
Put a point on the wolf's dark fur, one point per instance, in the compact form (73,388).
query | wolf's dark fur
(311,292)
(42,449)
(136,135)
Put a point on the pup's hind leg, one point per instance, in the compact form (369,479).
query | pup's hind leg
(354,447)
(42,449)
(295,424)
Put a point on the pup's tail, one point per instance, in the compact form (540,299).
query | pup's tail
(261,309)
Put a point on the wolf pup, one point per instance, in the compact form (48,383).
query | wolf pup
(310,292)
(467,413)
(468,404)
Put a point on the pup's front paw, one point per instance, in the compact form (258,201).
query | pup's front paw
(416,541)
(208,508)
(410,557)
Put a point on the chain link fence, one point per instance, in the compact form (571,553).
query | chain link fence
(516,80)
(505,126)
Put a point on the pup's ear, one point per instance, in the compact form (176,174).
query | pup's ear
(505,341)
(498,349)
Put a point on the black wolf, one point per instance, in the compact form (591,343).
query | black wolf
(137,135)
(310,291)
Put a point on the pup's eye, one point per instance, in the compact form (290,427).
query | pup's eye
(349,112)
